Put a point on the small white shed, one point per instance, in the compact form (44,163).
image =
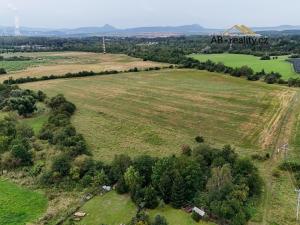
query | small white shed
(199,211)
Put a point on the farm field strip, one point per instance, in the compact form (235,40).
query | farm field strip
(280,65)
(60,63)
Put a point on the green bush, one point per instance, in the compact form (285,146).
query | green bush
(195,216)
(61,164)
(199,139)
(86,181)
(160,220)
(2,71)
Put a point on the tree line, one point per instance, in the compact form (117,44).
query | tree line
(28,79)
(243,71)
(280,45)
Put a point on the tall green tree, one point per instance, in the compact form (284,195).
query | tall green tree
(24,105)
(119,166)
(219,178)
(178,193)
(132,178)
(150,198)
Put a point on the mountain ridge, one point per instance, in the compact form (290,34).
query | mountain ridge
(109,30)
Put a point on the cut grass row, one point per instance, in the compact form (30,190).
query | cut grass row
(279,65)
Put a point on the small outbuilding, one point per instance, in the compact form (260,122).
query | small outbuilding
(199,211)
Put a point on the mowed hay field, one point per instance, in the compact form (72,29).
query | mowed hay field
(279,65)
(157,112)
(60,63)
(18,205)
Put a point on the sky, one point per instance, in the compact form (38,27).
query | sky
(136,13)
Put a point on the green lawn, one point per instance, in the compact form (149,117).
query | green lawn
(18,205)
(110,209)
(156,112)
(237,60)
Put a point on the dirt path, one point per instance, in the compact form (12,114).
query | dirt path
(274,126)
(278,133)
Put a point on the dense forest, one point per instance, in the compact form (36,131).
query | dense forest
(278,45)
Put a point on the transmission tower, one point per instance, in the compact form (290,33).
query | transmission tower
(103,45)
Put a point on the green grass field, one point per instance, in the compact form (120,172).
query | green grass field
(18,205)
(237,60)
(156,112)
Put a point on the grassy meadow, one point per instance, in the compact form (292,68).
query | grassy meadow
(60,63)
(237,60)
(157,112)
(18,205)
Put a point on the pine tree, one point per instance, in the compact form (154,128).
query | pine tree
(177,196)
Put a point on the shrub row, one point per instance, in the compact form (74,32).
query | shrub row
(243,71)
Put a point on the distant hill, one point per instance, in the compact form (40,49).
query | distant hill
(278,28)
(155,31)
